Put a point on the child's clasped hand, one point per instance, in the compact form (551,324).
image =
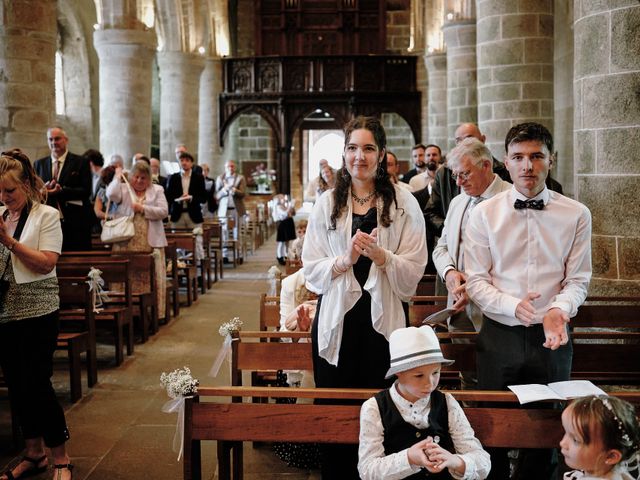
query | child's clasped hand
(428,454)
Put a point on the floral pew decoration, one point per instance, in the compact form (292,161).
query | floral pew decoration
(179,385)
(96,287)
(275,275)
(225,331)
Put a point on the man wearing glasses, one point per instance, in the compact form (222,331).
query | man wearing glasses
(470,163)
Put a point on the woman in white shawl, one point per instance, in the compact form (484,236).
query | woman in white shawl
(364,254)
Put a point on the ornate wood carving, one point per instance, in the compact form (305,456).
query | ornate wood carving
(286,90)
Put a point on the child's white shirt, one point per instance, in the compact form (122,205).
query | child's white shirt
(619,474)
(374,464)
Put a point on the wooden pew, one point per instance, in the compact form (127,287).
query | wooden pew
(76,307)
(187,242)
(173,282)
(233,423)
(117,316)
(269,312)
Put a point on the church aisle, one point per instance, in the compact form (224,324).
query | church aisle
(118,431)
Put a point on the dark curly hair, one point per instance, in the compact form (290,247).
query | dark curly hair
(383,186)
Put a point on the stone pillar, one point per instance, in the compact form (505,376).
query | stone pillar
(437,70)
(208,131)
(126,58)
(462,98)
(607,139)
(422,79)
(179,103)
(27,70)
(515,66)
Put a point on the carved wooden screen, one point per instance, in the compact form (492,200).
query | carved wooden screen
(320,27)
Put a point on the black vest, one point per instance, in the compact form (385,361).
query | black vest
(399,435)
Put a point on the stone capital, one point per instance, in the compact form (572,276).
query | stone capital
(105,41)
(180,61)
(436,62)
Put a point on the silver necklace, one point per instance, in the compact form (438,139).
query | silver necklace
(364,200)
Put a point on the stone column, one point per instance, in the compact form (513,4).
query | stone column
(515,66)
(462,98)
(422,79)
(437,70)
(209,132)
(607,139)
(27,70)
(179,102)
(126,58)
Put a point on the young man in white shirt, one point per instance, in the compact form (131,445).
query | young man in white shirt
(528,260)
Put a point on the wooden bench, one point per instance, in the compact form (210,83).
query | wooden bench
(204,263)
(116,315)
(187,242)
(269,312)
(231,423)
(76,307)
(173,282)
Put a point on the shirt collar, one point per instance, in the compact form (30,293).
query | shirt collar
(493,188)
(402,402)
(543,195)
(60,159)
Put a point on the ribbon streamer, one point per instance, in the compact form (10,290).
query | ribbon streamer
(225,352)
(172,406)
(98,295)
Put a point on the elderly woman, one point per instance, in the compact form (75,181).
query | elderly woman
(364,254)
(146,202)
(30,243)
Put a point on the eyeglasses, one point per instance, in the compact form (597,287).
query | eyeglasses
(464,176)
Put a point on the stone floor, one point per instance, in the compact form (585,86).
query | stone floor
(118,431)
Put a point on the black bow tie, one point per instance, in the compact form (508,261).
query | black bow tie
(535,204)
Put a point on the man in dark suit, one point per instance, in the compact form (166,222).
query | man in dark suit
(156,176)
(67,179)
(185,194)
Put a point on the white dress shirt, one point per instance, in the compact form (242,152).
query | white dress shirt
(389,285)
(619,473)
(422,180)
(509,253)
(373,464)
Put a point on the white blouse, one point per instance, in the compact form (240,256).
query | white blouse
(405,247)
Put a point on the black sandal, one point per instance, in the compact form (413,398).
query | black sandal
(59,467)
(31,471)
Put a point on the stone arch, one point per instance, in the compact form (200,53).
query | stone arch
(264,113)
(79,88)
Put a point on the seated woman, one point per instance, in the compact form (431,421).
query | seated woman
(148,205)
(30,243)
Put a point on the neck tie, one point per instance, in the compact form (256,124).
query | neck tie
(56,168)
(535,204)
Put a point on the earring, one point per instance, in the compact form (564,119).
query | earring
(380,171)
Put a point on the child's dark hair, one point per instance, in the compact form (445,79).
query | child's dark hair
(613,419)
(530,131)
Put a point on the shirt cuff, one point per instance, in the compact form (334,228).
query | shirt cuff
(510,305)
(407,468)
(447,269)
(564,306)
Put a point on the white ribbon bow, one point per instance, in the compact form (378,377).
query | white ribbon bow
(172,406)
(98,295)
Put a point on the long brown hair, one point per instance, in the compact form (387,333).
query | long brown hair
(383,186)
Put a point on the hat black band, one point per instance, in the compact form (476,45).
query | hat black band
(417,354)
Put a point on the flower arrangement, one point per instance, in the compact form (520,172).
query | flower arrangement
(96,287)
(179,383)
(262,176)
(232,325)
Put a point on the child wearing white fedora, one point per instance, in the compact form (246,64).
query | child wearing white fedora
(412,430)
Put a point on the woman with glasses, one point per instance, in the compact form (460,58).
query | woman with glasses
(364,255)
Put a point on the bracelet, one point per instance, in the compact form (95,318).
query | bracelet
(339,266)
(13,245)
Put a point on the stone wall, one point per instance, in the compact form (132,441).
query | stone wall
(399,136)
(27,108)
(398,31)
(607,138)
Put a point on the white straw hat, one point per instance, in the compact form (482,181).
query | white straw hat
(413,347)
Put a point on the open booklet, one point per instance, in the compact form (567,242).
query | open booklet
(439,318)
(558,391)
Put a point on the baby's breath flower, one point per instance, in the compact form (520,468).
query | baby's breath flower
(233,325)
(179,383)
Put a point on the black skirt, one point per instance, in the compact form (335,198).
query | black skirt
(286,230)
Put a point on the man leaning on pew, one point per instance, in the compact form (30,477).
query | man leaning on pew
(528,260)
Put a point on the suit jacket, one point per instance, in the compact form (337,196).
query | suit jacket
(73,200)
(75,179)
(445,189)
(446,252)
(196,190)
(238,197)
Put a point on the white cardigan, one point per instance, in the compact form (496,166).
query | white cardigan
(406,256)
(42,232)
